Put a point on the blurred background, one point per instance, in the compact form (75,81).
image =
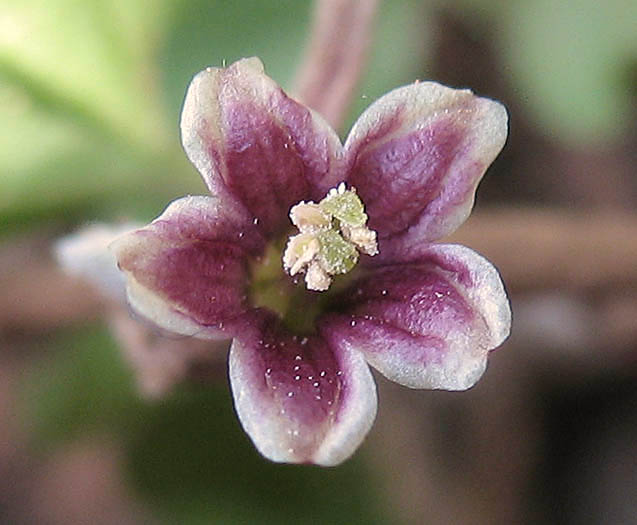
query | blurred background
(90,96)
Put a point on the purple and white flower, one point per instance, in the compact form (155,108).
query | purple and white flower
(424,315)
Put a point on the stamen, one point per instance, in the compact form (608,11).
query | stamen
(333,232)
(309,217)
(300,251)
(363,238)
(316,278)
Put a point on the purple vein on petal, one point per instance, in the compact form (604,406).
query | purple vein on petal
(416,156)
(187,271)
(297,399)
(426,324)
(399,178)
(248,138)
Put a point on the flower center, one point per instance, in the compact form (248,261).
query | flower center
(332,233)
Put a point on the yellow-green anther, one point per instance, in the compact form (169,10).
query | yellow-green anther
(336,255)
(345,206)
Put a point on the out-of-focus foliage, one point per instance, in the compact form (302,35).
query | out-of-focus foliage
(187,455)
(573,60)
(81,96)
(572,63)
(92,91)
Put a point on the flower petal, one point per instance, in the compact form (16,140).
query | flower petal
(245,135)
(186,271)
(298,400)
(426,324)
(85,254)
(416,156)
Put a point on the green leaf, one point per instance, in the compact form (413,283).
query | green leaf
(85,59)
(569,62)
(82,386)
(52,167)
(217,32)
(193,463)
(400,47)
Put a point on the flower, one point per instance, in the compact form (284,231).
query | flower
(158,362)
(424,315)
(85,254)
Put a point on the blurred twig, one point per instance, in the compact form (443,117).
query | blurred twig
(335,57)
(36,295)
(534,250)
(553,249)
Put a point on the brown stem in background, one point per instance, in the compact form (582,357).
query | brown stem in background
(334,60)
(549,249)
(556,249)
